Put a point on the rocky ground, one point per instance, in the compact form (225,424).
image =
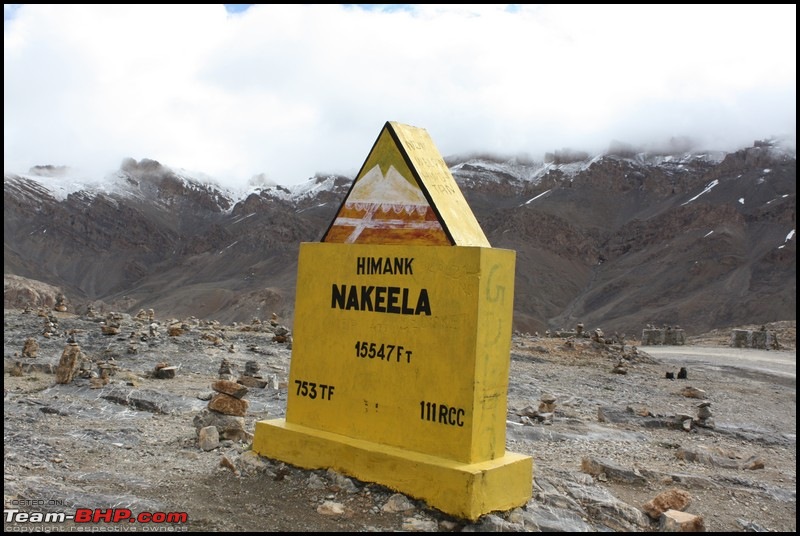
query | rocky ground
(607,432)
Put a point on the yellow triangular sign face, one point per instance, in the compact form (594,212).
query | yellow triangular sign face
(405,194)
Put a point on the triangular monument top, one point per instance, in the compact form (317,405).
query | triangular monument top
(405,194)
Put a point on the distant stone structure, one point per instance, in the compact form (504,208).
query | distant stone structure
(762,339)
(666,336)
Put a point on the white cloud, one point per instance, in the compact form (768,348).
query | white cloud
(291,90)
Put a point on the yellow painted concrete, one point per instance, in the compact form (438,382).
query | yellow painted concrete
(467,491)
(431,376)
(401,341)
(441,187)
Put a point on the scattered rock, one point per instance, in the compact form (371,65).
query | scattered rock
(60,441)
(164,371)
(208,438)
(611,471)
(620,368)
(175,331)
(398,503)
(226,463)
(16,370)
(330,508)
(676,521)
(252,381)
(693,392)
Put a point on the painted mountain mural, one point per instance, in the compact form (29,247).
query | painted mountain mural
(386,209)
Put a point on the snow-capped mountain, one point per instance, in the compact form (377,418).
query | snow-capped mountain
(615,241)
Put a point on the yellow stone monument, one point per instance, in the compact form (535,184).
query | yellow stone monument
(401,341)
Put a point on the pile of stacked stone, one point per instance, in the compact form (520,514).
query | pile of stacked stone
(112,324)
(598,336)
(61,303)
(146,316)
(50,325)
(70,363)
(280,332)
(281,335)
(31,348)
(176,330)
(251,377)
(103,377)
(704,418)
(226,370)
(228,398)
(217,339)
(223,418)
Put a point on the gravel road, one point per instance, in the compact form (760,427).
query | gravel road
(780,363)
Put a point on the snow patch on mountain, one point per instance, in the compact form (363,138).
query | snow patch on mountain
(707,189)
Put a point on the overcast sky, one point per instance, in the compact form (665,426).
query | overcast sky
(289,91)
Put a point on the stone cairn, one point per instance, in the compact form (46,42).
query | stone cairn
(70,363)
(704,418)
(146,316)
(223,418)
(112,324)
(281,333)
(31,348)
(226,370)
(50,327)
(251,377)
(61,303)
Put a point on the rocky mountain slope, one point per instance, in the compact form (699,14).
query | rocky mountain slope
(617,241)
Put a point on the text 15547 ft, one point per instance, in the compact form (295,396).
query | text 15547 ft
(385,352)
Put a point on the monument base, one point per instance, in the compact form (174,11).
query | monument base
(463,490)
